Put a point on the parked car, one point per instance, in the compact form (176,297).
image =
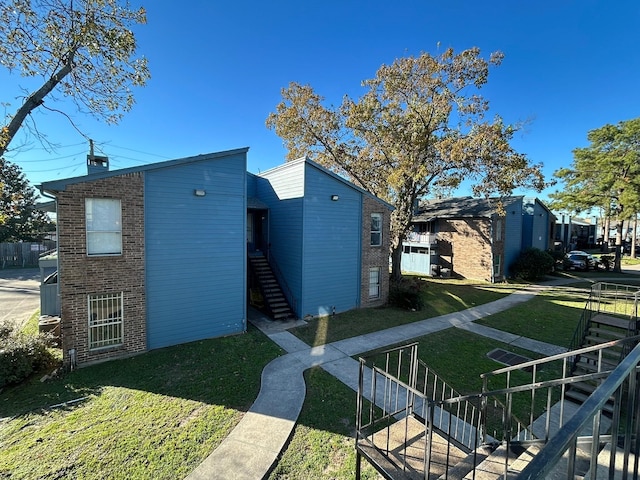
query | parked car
(579,260)
(592,262)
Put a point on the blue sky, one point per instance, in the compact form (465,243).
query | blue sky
(218,67)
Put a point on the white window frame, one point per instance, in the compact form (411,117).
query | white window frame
(104,236)
(106,322)
(376,233)
(497,264)
(374,282)
(498,229)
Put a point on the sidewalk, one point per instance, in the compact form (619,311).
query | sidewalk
(252,448)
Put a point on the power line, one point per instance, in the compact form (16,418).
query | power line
(48,159)
(74,165)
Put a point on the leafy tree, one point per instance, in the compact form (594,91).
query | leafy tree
(420,129)
(19,218)
(605,175)
(83,49)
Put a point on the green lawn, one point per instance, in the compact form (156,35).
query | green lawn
(551,316)
(322,445)
(156,415)
(440,297)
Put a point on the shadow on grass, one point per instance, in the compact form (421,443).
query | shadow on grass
(439,297)
(223,371)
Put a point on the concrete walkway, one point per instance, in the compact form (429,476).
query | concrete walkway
(251,449)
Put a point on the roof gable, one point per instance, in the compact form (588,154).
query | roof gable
(328,172)
(61,185)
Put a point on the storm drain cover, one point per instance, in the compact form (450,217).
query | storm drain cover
(507,358)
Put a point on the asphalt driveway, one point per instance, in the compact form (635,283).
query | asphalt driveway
(19,294)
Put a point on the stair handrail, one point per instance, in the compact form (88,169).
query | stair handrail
(560,356)
(565,439)
(283,283)
(416,400)
(458,417)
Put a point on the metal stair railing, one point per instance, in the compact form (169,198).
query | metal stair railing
(399,385)
(613,299)
(394,390)
(622,384)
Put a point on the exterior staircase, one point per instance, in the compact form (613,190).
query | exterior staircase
(271,299)
(610,314)
(574,415)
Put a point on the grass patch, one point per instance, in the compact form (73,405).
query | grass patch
(460,357)
(551,316)
(156,415)
(31,326)
(440,297)
(322,445)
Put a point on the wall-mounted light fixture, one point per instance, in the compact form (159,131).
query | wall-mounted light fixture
(199,192)
(335,198)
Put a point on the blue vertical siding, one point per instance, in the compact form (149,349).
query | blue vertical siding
(331,244)
(513,232)
(252,185)
(540,227)
(282,189)
(195,250)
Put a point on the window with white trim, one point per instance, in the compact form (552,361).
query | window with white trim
(497,264)
(105,320)
(104,226)
(499,229)
(376,229)
(374,282)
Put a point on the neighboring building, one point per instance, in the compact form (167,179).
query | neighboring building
(574,233)
(156,255)
(468,236)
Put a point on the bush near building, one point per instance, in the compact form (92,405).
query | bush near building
(21,355)
(532,264)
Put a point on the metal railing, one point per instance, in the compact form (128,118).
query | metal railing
(394,385)
(610,299)
(422,238)
(392,388)
(619,457)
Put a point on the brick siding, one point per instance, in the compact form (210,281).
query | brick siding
(374,256)
(465,246)
(82,275)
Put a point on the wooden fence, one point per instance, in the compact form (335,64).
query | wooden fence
(23,254)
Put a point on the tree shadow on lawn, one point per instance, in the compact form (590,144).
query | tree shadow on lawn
(438,296)
(222,371)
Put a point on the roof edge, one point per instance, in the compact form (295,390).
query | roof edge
(53,186)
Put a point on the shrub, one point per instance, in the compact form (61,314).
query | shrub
(21,355)
(607,261)
(407,293)
(532,264)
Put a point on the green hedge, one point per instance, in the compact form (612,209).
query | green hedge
(21,355)
(532,264)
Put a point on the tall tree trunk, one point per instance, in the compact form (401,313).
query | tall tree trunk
(396,259)
(617,264)
(634,232)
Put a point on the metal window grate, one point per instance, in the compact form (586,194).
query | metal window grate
(105,320)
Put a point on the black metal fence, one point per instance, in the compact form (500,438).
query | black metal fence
(24,254)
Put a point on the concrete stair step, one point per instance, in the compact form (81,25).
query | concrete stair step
(611,321)
(609,333)
(465,466)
